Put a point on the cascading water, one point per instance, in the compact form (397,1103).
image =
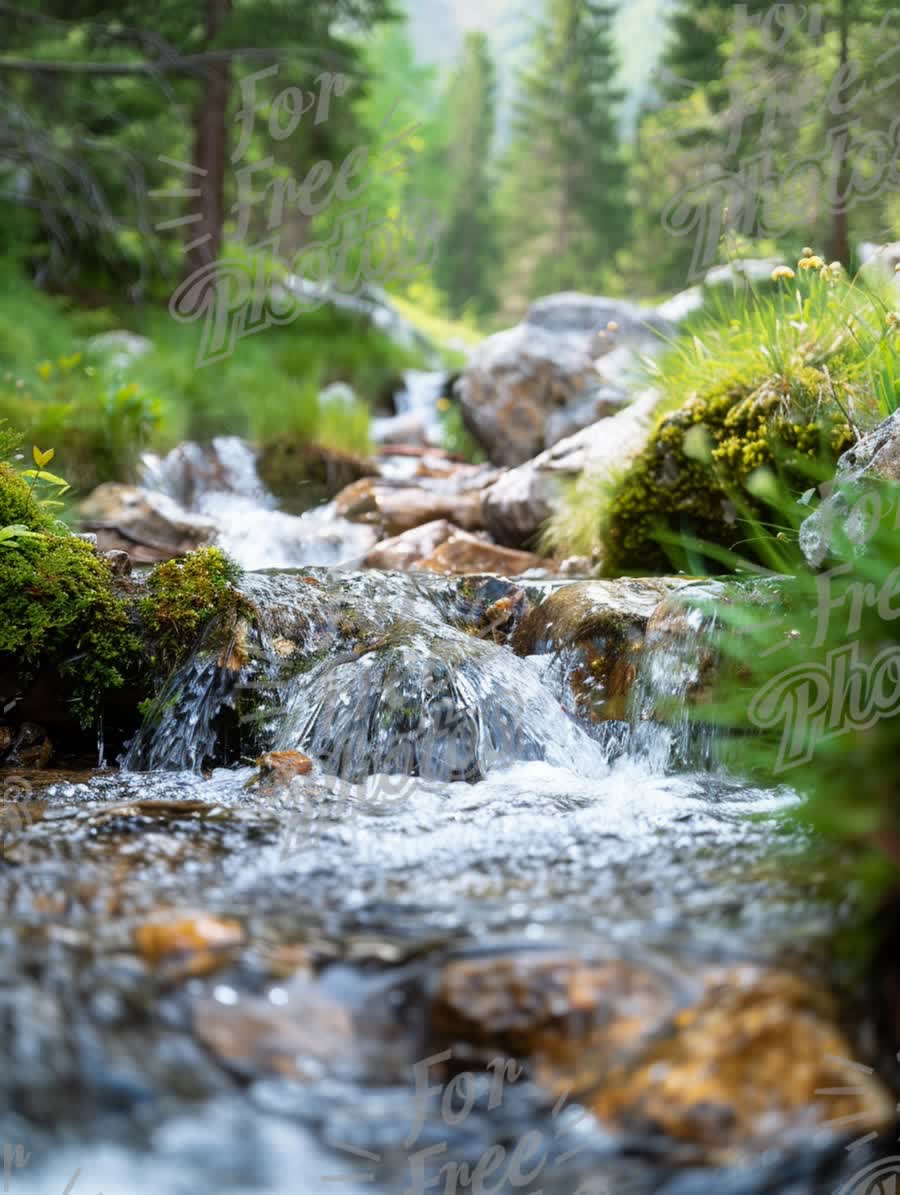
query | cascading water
(221,482)
(455,805)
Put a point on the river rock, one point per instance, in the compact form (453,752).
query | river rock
(517,506)
(148,525)
(295,1036)
(30,747)
(612,320)
(405,551)
(278,768)
(517,380)
(463,553)
(188,944)
(755,1060)
(395,507)
(874,458)
(559,1012)
(596,628)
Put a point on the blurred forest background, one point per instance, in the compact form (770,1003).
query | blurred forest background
(620,149)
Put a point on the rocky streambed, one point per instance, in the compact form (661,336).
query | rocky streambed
(411,890)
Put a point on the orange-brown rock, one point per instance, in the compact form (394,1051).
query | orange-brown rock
(404,551)
(463,553)
(278,768)
(757,1058)
(357,500)
(188,944)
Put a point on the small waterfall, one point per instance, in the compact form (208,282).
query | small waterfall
(678,658)
(416,409)
(220,481)
(367,679)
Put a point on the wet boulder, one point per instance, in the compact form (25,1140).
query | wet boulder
(517,380)
(851,510)
(596,630)
(559,1012)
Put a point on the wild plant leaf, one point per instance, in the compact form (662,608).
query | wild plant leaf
(42,458)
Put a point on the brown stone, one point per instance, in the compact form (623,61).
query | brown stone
(148,526)
(31,747)
(463,553)
(403,551)
(603,624)
(293,1036)
(403,509)
(569,1017)
(357,500)
(756,1058)
(188,944)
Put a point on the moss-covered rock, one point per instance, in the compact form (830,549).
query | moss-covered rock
(702,473)
(72,632)
(183,596)
(302,475)
(59,609)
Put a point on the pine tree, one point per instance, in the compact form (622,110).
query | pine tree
(565,202)
(466,261)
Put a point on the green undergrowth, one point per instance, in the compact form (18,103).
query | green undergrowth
(763,396)
(810,680)
(103,411)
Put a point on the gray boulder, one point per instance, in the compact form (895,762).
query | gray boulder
(876,457)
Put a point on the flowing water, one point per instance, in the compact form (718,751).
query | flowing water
(457,812)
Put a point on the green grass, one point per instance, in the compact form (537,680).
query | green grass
(100,419)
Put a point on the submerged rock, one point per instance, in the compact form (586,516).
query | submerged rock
(294,1030)
(561,1013)
(756,1060)
(188,944)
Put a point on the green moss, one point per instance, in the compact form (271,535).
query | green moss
(183,596)
(699,474)
(58,607)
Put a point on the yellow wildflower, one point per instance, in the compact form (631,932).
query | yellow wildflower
(810,263)
(44,370)
(893,319)
(443,404)
(782,272)
(612,326)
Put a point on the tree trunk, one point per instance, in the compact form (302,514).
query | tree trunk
(839,248)
(203,236)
